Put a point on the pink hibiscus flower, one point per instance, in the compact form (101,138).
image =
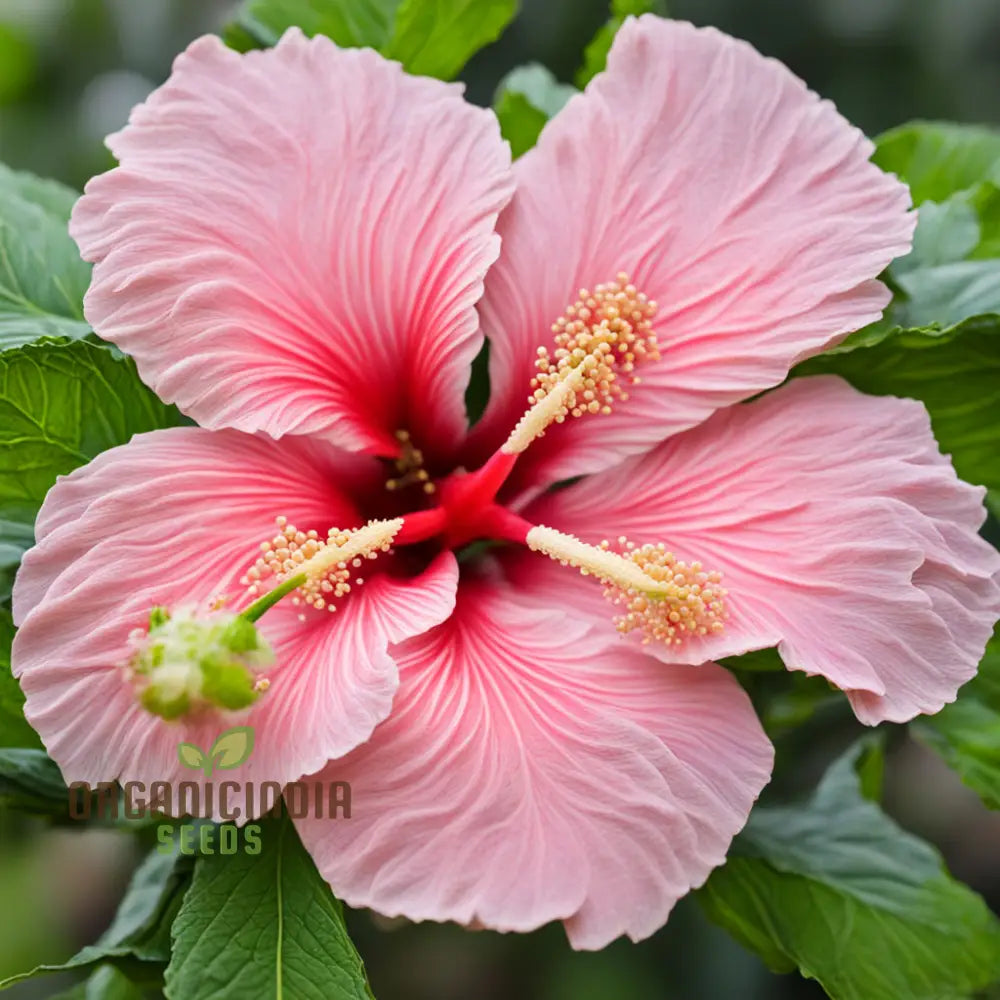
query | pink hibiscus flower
(302,249)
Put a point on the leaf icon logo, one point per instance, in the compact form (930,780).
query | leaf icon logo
(231,748)
(191,756)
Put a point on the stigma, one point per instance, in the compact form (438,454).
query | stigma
(599,342)
(319,570)
(661,597)
(189,661)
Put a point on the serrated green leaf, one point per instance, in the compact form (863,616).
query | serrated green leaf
(350,23)
(42,278)
(14,729)
(595,56)
(938,159)
(62,403)
(837,890)
(525,100)
(263,927)
(967,732)
(438,37)
(232,748)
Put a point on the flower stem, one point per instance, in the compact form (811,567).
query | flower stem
(272,597)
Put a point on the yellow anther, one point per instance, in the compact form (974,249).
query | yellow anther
(329,566)
(664,598)
(599,341)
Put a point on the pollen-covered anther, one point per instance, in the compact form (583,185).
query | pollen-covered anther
(599,342)
(688,600)
(666,599)
(328,565)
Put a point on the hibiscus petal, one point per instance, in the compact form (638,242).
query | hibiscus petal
(730,194)
(295,242)
(176,517)
(843,536)
(525,777)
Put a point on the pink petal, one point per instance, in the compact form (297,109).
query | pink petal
(729,193)
(524,776)
(176,517)
(295,242)
(843,535)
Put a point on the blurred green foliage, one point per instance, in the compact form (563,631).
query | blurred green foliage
(71,69)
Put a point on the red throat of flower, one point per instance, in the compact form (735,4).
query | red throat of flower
(598,345)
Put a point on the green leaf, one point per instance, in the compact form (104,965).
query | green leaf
(952,275)
(42,278)
(967,732)
(15,539)
(429,37)
(956,375)
(62,403)
(595,56)
(106,983)
(191,756)
(263,927)
(940,338)
(756,661)
(949,276)
(350,23)
(14,729)
(241,39)
(993,502)
(232,748)
(938,159)
(837,890)
(870,766)
(149,906)
(138,941)
(526,99)
(438,37)
(18,62)
(31,782)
